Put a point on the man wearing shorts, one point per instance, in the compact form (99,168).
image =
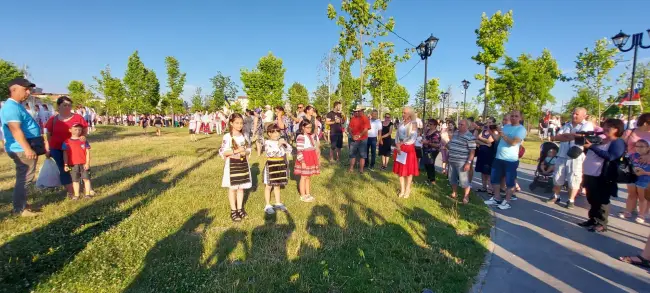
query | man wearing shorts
(506,161)
(335,120)
(359,126)
(567,169)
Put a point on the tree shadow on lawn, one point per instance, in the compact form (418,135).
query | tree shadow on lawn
(109,132)
(33,257)
(40,198)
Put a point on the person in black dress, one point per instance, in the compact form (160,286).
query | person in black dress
(431,149)
(386,141)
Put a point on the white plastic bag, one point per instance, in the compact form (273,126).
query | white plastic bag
(48,176)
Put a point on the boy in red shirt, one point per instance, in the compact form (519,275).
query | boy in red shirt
(76,159)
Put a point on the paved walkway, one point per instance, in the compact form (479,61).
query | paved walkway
(539,248)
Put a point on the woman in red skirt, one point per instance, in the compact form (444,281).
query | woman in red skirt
(307,164)
(407,133)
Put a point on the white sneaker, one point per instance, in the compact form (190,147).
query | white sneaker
(504,205)
(491,201)
(269,209)
(280,206)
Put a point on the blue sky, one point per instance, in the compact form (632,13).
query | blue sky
(73,40)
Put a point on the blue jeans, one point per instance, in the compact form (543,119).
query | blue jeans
(500,169)
(57,155)
(372,151)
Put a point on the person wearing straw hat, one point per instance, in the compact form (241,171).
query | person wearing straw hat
(359,126)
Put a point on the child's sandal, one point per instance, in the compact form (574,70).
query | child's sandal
(234,216)
(242,214)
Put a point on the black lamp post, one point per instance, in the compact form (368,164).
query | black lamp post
(465,86)
(424,50)
(620,40)
(444,97)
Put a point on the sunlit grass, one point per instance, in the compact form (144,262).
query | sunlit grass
(161,224)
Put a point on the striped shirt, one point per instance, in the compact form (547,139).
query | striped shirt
(460,146)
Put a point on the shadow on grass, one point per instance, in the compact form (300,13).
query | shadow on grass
(33,257)
(110,132)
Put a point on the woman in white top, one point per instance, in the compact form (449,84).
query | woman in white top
(407,134)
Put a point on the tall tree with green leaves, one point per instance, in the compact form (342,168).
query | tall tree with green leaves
(326,74)
(593,67)
(298,94)
(642,79)
(79,94)
(348,88)
(222,86)
(152,98)
(112,89)
(264,85)
(525,83)
(198,102)
(319,98)
(8,71)
(361,23)
(491,37)
(381,70)
(175,83)
(135,84)
(433,94)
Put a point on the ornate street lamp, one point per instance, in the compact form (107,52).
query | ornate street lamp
(620,40)
(465,86)
(424,50)
(443,97)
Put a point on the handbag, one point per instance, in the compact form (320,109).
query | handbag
(522,150)
(37,144)
(625,172)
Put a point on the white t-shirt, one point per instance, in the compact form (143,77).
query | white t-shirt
(568,128)
(375,127)
(418,122)
(268,116)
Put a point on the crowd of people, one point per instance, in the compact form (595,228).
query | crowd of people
(589,156)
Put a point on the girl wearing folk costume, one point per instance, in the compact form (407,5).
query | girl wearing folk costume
(276,171)
(307,163)
(235,149)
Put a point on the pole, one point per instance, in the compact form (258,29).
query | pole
(629,108)
(457,114)
(464,103)
(424,101)
(329,80)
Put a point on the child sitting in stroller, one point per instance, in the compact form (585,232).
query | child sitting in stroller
(548,165)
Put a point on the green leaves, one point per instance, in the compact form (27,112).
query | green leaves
(264,85)
(197,101)
(222,86)
(175,83)
(8,71)
(298,94)
(113,91)
(592,73)
(78,92)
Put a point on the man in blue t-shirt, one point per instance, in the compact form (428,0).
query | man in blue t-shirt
(507,159)
(18,126)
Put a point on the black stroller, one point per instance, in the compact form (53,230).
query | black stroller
(542,179)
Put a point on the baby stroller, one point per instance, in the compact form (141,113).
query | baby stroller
(542,179)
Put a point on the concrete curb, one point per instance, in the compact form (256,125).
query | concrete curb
(485,268)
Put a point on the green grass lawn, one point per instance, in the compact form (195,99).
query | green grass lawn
(161,224)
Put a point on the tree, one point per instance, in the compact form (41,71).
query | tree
(642,79)
(112,89)
(320,99)
(197,101)
(593,67)
(175,83)
(348,88)
(78,93)
(135,84)
(398,98)
(264,84)
(298,94)
(491,36)
(152,99)
(433,92)
(358,29)
(525,83)
(222,86)
(236,107)
(585,97)
(382,72)
(8,71)
(328,69)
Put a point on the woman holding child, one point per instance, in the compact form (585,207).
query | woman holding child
(57,132)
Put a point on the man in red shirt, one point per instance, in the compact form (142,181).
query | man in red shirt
(76,158)
(359,126)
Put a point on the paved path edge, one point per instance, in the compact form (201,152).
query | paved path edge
(485,268)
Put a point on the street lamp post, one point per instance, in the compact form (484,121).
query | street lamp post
(457,113)
(465,86)
(444,97)
(620,40)
(424,50)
